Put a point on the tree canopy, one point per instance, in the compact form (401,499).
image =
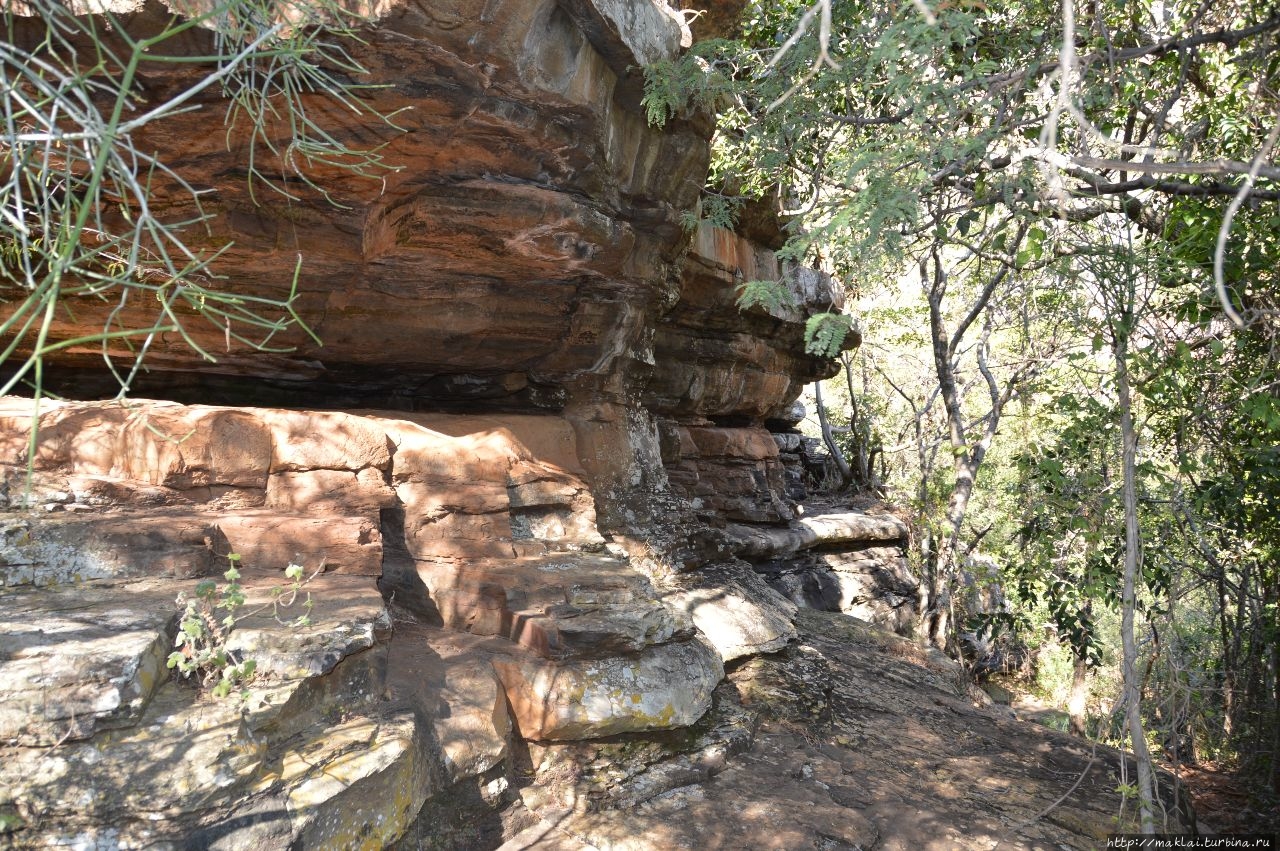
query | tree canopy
(1061,226)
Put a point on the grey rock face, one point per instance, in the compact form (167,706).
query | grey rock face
(735,609)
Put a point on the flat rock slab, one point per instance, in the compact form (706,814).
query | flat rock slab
(359,784)
(734,608)
(817,530)
(77,659)
(620,772)
(558,606)
(661,687)
(61,548)
(64,547)
(347,615)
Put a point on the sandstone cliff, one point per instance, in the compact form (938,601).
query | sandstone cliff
(531,468)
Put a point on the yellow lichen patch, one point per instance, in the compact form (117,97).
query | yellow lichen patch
(311,756)
(362,797)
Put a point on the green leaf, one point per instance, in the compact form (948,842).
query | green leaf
(825,333)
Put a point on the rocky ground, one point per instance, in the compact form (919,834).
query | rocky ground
(850,738)
(482,669)
(1226,802)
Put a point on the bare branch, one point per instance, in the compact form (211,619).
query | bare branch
(1220,250)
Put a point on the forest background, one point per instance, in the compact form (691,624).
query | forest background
(1059,227)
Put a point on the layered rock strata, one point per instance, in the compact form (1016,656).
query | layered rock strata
(496,533)
(529,469)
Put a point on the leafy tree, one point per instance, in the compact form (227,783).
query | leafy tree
(1088,183)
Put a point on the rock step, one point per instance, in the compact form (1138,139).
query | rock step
(65,547)
(733,606)
(358,784)
(86,700)
(73,662)
(574,780)
(816,530)
(464,685)
(731,732)
(561,606)
(658,688)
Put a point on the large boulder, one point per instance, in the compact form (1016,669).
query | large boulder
(665,686)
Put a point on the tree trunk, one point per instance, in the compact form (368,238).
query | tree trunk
(1228,658)
(1077,703)
(968,458)
(1128,600)
(864,462)
(846,474)
(1269,605)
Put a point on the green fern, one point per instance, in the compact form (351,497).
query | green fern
(772,296)
(666,92)
(713,208)
(825,333)
(720,210)
(671,89)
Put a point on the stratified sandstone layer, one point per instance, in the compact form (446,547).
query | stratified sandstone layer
(481,528)
(524,235)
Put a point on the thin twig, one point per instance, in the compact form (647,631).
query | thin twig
(1093,757)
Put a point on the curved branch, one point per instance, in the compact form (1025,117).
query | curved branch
(1220,250)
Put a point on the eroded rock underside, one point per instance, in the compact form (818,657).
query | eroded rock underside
(532,477)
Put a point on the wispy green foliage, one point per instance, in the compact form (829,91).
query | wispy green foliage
(825,333)
(771,296)
(674,88)
(89,213)
(713,208)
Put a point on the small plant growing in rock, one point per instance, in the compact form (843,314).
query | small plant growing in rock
(202,642)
